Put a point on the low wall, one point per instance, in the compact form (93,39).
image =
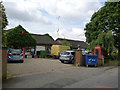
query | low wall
(79,58)
(100,61)
(4,63)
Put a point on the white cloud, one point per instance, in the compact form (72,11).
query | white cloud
(75,34)
(26,12)
(76,13)
(70,9)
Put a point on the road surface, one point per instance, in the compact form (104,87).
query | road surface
(75,77)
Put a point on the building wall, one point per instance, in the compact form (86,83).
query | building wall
(48,47)
(43,48)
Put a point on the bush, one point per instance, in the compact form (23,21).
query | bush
(114,55)
(112,62)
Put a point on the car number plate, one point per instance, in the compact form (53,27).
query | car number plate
(63,56)
(65,61)
(16,56)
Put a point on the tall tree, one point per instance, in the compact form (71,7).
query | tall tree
(104,20)
(19,37)
(106,40)
(3,22)
(3,17)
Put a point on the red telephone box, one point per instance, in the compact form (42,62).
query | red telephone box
(97,50)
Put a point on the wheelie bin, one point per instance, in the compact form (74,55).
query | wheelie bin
(91,60)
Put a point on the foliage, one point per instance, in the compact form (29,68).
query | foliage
(114,55)
(3,22)
(106,19)
(112,63)
(3,17)
(19,40)
(106,40)
(47,35)
(66,43)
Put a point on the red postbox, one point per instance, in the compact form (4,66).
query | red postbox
(97,51)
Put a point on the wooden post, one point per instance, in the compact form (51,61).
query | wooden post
(4,63)
(0,68)
(34,49)
(24,51)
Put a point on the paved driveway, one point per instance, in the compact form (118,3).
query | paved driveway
(46,73)
(36,66)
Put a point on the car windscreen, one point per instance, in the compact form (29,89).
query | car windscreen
(62,53)
(16,51)
(66,53)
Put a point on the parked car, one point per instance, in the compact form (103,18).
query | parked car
(62,53)
(15,55)
(85,52)
(68,56)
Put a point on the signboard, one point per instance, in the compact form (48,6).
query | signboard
(91,60)
(39,48)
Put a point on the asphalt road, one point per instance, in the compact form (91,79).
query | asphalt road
(109,79)
(75,77)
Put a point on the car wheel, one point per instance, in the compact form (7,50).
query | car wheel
(54,57)
(21,61)
(8,61)
(62,61)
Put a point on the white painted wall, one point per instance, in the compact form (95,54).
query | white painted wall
(39,48)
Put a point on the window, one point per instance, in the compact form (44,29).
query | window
(97,51)
(66,53)
(16,51)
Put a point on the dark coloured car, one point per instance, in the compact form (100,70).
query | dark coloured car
(15,55)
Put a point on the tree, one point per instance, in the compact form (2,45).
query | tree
(106,40)
(104,20)
(3,22)
(19,37)
(66,43)
(3,17)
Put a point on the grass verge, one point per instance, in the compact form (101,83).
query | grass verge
(112,63)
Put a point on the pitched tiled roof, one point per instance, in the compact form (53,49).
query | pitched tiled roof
(41,39)
(75,43)
(44,40)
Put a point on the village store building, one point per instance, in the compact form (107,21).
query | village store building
(44,43)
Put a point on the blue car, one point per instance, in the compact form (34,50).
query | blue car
(67,56)
(15,55)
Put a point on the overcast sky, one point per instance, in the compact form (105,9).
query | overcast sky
(46,16)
